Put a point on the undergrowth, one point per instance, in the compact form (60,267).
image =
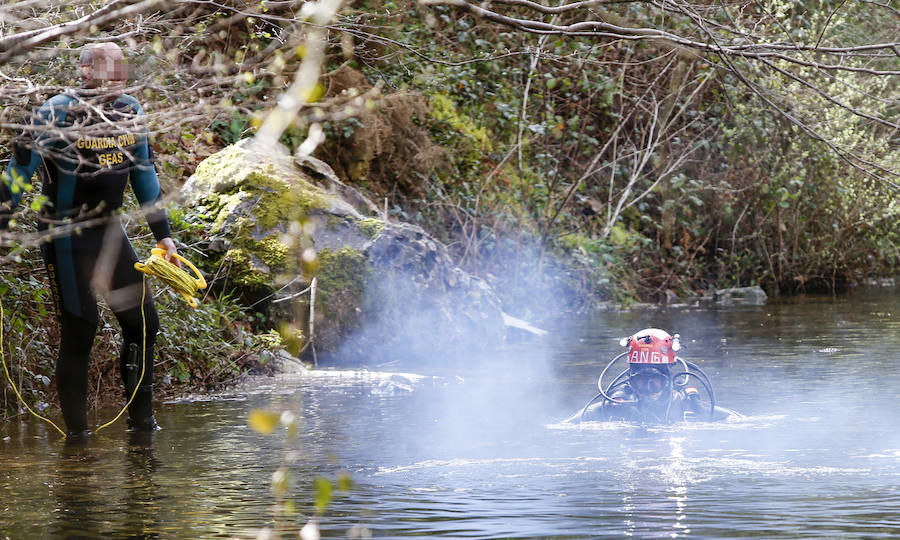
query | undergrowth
(198,350)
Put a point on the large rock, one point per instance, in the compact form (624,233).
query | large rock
(250,207)
(419,303)
(384,290)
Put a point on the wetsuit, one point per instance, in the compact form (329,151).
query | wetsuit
(681,405)
(87,151)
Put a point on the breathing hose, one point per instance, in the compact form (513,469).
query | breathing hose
(690,370)
(602,373)
(603,393)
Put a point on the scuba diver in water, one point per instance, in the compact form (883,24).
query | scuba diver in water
(88,144)
(657,387)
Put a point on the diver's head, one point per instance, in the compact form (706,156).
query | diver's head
(103,68)
(651,352)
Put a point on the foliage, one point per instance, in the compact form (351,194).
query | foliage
(605,169)
(647,169)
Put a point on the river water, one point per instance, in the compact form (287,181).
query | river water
(480,451)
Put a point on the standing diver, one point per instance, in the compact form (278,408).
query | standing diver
(657,387)
(89,143)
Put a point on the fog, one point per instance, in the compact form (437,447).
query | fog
(811,373)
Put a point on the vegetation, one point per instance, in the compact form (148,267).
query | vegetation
(652,165)
(590,152)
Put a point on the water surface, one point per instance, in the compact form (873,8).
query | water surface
(480,452)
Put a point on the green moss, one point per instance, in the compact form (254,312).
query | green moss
(342,271)
(271,340)
(578,241)
(222,208)
(370,227)
(278,194)
(242,273)
(620,236)
(252,203)
(444,110)
(221,168)
(272,252)
(281,201)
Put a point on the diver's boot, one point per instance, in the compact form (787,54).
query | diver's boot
(140,412)
(143,424)
(78,437)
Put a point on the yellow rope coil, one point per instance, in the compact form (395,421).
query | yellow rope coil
(180,281)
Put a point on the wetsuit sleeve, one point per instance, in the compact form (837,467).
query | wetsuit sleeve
(26,158)
(146,188)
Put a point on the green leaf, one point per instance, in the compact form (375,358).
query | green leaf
(263,422)
(324,490)
(344,482)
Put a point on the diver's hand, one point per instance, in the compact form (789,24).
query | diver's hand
(169,245)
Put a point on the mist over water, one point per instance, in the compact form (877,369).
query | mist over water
(817,454)
(477,449)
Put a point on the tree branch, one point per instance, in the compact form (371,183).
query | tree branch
(18,44)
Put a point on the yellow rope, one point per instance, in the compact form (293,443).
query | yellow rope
(12,383)
(155,265)
(180,281)
(143,356)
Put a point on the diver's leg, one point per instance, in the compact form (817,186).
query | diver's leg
(77,316)
(76,339)
(140,324)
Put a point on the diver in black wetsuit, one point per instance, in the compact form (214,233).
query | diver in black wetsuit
(648,397)
(88,144)
(656,388)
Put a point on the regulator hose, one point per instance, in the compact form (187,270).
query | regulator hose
(602,373)
(704,380)
(603,393)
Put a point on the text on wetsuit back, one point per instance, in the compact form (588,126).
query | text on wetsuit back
(102,143)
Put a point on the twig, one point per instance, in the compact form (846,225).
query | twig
(312,320)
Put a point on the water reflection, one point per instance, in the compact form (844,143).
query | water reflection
(480,452)
(103,492)
(142,493)
(80,501)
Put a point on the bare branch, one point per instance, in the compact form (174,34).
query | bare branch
(117,10)
(727,43)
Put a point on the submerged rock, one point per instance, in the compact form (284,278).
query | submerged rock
(384,290)
(753,296)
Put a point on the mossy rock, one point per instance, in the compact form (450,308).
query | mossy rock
(252,204)
(381,287)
